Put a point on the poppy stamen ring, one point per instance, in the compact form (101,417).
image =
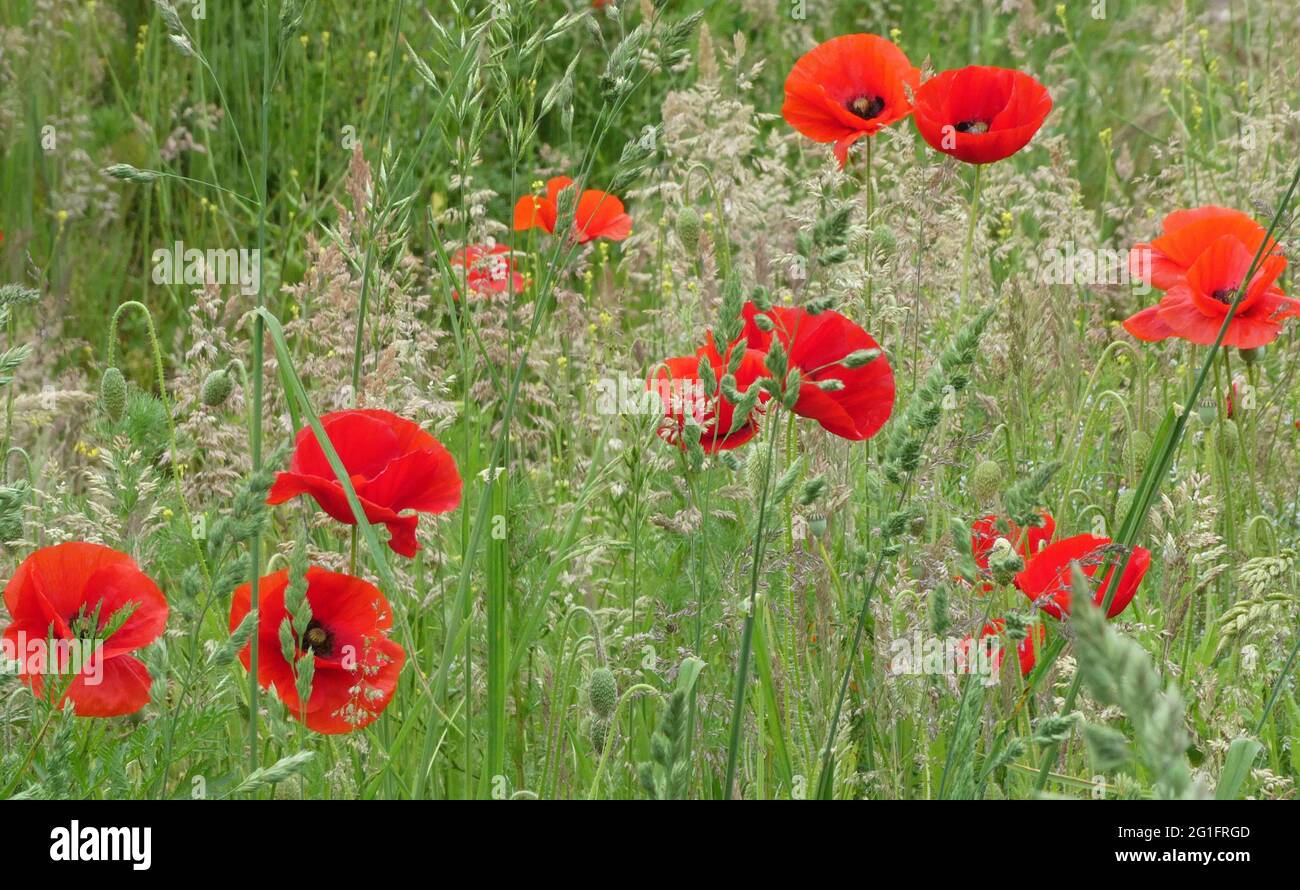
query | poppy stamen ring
(867,107)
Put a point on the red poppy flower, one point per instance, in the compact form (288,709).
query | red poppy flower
(487,269)
(1218,247)
(985,533)
(847,88)
(392,463)
(598,215)
(817,345)
(1026,650)
(678,385)
(356,664)
(71,592)
(980,114)
(1188,234)
(1046,578)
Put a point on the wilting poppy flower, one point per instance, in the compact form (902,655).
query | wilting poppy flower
(1026,649)
(487,269)
(680,390)
(817,345)
(847,88)
(392,463)
(1200,262)
(985,533)
(70,594)
(598,215)
(1046,578)
(356,665)
(980,114)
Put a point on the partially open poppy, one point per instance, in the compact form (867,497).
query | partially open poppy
(986,531)
(852,403)
(487,269)
(679,387)
(72,594)
(1201,262)
(849,87)
(980,114)
(392,463)
(1046,578)
(597,215)
(356,665)
(1026,650)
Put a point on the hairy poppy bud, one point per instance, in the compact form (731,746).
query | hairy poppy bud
(112,392)
(1229,436)
(602,693)
(1136,449)
(985,482)
(216,388)
(599,730)
(1004,561)
(688,229)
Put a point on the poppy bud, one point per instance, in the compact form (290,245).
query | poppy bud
(217,387)
(599,730)
(602,692)
(1004,561)
(1136,449)
(985,482)
(1229,436)
(688,229)
(112,393)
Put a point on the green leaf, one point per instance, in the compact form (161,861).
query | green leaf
(1236,768)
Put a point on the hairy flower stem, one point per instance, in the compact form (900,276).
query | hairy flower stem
(358,346)
(969,248)
(1158,467)
(747,636)
(255,417)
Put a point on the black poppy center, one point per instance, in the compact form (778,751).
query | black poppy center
(867,107)
(319,640)
(973,126)
(1224,295)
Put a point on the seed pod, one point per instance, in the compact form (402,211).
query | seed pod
(985,482)
(216,388)
(602,692)
(1250,356)
(112,393)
